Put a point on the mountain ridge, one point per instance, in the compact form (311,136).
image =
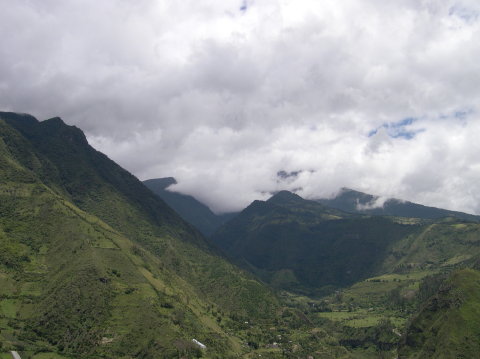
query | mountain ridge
(313,245)
(109,265)
(353,201)
(93,264)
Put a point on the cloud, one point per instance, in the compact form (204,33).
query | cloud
(402,128)
(224,95)
(376,202)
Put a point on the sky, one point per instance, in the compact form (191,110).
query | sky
(378,96)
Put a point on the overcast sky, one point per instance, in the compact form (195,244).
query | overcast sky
(379,96)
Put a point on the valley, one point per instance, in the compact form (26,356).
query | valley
(93,264)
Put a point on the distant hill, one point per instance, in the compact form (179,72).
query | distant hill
(352,201)
(93,264)
(188,207)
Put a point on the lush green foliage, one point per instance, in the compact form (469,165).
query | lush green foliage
(410,260)
(448,324)
(93,264)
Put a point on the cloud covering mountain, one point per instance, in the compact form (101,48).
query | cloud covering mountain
(377,96)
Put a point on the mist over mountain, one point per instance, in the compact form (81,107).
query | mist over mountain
(323,198)
(93,263)
(189,208)
(352,201)
(232,105)
(347,200)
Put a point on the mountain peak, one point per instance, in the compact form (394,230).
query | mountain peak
(30,126)
(56,125)
(56,119)
(283,197)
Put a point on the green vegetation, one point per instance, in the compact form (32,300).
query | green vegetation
(301,245)
(448,323)
(93,265)
(395,266)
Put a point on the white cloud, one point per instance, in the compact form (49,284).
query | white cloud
(223,98)
(376,202)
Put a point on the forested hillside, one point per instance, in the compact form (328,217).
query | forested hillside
(92,263)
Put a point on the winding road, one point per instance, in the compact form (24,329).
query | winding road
(15,355)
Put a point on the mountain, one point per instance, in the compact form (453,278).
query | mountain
(381,286)
(93,264)
(189,208)
(448,324)
(302,245)
(352,201)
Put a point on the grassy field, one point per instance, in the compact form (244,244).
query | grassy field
(8,308)
(362,318)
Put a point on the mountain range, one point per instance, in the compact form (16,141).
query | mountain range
(316,247)
(94,264)
(349,200)
(298,244)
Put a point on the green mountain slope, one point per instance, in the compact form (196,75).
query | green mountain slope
(302,245)
(352,201)
(93,264)
(189,208)
(442,244)
(382,269)
(448,324)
